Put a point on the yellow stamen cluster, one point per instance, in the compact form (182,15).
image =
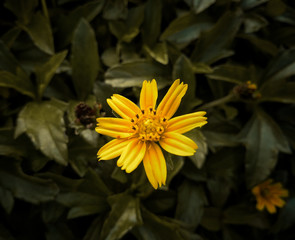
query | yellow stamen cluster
(148,126)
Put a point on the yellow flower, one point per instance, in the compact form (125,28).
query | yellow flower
(140,131)
(269,195)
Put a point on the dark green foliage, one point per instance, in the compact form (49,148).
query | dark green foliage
(59,54)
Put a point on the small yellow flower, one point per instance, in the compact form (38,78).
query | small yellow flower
(269,195)
(140,131)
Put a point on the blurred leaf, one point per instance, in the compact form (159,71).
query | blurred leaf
(22,9)
(46,71)
(280,91)
(127,30)
(191,195)
(82,204)
(125,214)
(242,214)
(152,22)
(219,189)
(200,155)
(85,60)
(262,45)
(19,83)
(248,4)
(93,232)
(40,31)
(158,52)
(286,218)
(263,139)
(186,28)
(281,67)
(275,7)
(254,22)
(159,228)
(10,36)
(202,68)
(43,122)
(214,44)
(110,57)
(115,9)
(199,5)
(6,200)
(212,219)
(5,234)
(59,231)
(23,186)
(7,61)
(132,74)
(183,70)
(236,74)
(67,24)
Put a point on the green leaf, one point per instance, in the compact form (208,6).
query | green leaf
(254,22)
(6,200)
(263,139)
(281,67)
(248,4)
(67,24)
(286,218)
(280,91)
(93,232)
(156,227)
(193,196)
(8,61)
(43,122)
(200,155)
(244,214)
(40,31)
(212,219)
(186,28)
(125,215)
(128,29)
(84,59)
(19,83)
(132,74)
(23,186)
(10,36)
(152,22)
(262,45)
(82,204)
(233,73)
(115,9)
(199,5)
(22,9)
(214,44)
(158,52)
(183,70)
(46,71)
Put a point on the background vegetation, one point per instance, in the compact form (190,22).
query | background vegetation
(55,54)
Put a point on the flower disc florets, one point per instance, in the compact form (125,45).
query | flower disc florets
(148,126)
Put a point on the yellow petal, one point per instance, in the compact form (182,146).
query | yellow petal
(113,133)
(158,163)
(270,207)
(186,122)
(149,169)
(132,155)
(148,94)
(116,124)
(260,205)
(277,201)
(112,149)
(123,106)
(170,103)
(178,144)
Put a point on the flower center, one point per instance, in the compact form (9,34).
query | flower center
(265,192)
(148,126)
